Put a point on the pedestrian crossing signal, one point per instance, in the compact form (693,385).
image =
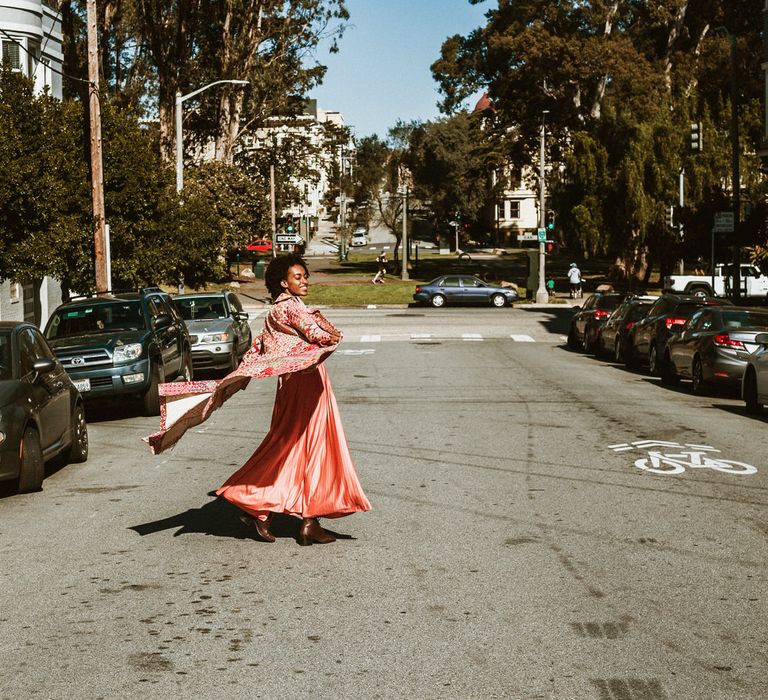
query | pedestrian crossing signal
(696,143)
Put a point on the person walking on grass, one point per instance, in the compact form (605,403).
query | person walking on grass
(381,260)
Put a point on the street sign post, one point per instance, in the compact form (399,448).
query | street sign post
(542,235)
(723,222)
(289,238)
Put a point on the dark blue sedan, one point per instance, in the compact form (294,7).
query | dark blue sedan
(462,289)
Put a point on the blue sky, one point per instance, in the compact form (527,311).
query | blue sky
(381,73)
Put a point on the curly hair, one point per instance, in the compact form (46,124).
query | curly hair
(277,271)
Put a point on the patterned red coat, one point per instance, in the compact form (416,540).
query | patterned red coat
(294,338)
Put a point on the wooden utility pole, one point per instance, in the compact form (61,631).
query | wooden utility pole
(97,170)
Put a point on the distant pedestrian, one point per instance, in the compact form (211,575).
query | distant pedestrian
(381,260)
(551,287)
(574,279)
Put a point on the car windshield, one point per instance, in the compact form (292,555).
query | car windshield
(745,319)
(608,303)
(194,308)
(638,311)
(6,371)
(93,319)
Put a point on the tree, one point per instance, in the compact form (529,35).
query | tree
(621,82)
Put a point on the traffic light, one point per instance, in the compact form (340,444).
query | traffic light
(289,226)
(670,216)
(696,142)
(550,247)
(550,221)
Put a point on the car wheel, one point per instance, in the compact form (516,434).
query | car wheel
(618,355)
(234,361)
(498,300)
(186,369)
(573,341)
(630,361)
(653,361)
(438,300)
(151,398)
(32,469)
(754,407)
(697,377)
(78,450)
(668,375)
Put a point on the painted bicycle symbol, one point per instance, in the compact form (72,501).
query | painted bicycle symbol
(659,463)
(678,459)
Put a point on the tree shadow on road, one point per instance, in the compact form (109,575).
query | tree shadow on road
(557,318)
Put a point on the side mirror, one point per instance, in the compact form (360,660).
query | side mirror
(575,308)
(163,321)
(43,366)
(240,315)
(761,338)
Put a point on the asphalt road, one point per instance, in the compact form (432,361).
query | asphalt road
(515,550)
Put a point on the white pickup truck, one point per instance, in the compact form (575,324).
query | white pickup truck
(753,282)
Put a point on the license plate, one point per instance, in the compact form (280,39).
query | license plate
(82,384)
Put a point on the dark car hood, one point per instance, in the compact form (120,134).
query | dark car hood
(80,343)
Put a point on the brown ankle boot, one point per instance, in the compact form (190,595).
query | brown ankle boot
(310,532)
(262,526)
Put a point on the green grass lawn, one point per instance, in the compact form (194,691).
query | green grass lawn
(361,293)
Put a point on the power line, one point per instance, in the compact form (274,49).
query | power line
(49,66)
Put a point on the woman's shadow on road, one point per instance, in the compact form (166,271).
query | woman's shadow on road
(220,518)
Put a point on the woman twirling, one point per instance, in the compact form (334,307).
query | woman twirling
(302,467)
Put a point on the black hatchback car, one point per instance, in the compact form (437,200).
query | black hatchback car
(122,345)
(588,319)
(613,335)
(41,412)
(647,341)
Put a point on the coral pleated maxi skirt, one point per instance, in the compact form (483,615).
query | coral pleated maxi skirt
(303,466)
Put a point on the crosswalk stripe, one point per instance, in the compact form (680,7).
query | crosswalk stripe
(370,338)
(522,338)
(471,336)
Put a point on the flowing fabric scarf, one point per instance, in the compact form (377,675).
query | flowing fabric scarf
(184,405)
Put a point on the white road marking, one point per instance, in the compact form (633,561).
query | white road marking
(522,338)
(363,351)
(421,336)
(471,336)
(370,338)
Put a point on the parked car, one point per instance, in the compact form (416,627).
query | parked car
(754,385)
(588,319)
(260,245)
(41,411)
(753,282)
(218,329)
(713,347)
(612,338)
(462,289)
(647,340)
(359,238)
(122,345)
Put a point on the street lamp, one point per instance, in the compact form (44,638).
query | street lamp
(179,139)
(542,295)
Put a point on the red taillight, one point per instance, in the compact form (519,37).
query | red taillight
(628,325)
(599,314)
(671,321)
(418,289)
(725,341)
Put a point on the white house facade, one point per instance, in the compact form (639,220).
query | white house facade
(31,43)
